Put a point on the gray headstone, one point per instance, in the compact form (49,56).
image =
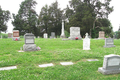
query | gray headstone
(86,43)
(9,35)
(74,32)
(29,42)
(52,35)
(111,65)
(109,42)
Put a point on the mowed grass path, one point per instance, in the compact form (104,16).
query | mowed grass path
(55,51)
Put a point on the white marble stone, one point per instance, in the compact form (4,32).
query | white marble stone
(66,63)
(8,68)
(45,35)
(92,60)
(75,32)
(86,43)
(46,65)
(62,31)
(20,51)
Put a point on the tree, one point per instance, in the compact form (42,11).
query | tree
(50,19)
(4,17)
(44,19)
(26,19)
(55,18)
(87,12)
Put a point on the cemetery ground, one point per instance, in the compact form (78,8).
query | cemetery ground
(55,51)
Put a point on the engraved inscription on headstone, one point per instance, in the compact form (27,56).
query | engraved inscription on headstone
(111,65)
(109,42)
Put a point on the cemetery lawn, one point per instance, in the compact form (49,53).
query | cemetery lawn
(55,51)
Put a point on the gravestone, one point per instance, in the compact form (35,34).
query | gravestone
(16,35)
(45,35)
(62,31)
(52,35)
(109,42)
(86,43)
(75,32)
(111,65)
(101,34)
(29,42)
(9,35)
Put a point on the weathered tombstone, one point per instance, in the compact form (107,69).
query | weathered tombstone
(86,43)
(111,65)
(101,34)
(62,30)
(52,35)
(75,32)
(109,42)
(29,42)
(16,35)
(45,35)
(9,35)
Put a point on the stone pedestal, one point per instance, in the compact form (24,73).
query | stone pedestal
(75,32)
(29,47)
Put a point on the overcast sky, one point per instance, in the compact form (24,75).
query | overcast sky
(13,7)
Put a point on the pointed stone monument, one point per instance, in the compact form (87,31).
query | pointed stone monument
(86,43)
(62,30)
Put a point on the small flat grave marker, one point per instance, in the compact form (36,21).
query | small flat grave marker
(66,63)
(92,60)
(8,68)
(46,65)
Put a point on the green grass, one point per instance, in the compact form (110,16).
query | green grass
(55,51)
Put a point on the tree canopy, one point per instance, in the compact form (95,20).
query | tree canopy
(4,18)
(85,13)
(26,19)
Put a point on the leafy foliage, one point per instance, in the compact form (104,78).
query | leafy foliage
(4,17)
(85,13)
(26,19)
(50,19)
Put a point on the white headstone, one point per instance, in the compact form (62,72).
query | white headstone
(86,43)
(45,35)
(75,32)
(111,64)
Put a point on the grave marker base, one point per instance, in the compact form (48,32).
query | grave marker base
(106,72)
